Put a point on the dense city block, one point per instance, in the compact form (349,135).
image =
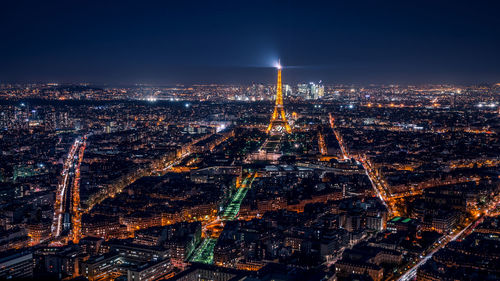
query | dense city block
(146,183)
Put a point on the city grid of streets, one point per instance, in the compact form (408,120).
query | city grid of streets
(67,215)
(64,203)
(328,179)
(204,253)
(165,140)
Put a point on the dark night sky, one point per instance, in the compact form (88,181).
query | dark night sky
(238,41)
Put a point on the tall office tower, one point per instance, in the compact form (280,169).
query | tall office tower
(288,90)
(321,90)
(313,92)
(303,90)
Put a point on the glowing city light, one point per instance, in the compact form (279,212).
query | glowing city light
(277,64)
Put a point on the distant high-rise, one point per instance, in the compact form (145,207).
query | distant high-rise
(321,91)
(288,90)
(303,90)
(313,92)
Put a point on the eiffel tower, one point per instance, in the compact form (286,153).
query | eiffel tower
(278,123)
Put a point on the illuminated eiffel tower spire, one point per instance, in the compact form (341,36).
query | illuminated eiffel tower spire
(279,124)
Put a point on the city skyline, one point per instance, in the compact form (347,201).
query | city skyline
(249,140)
